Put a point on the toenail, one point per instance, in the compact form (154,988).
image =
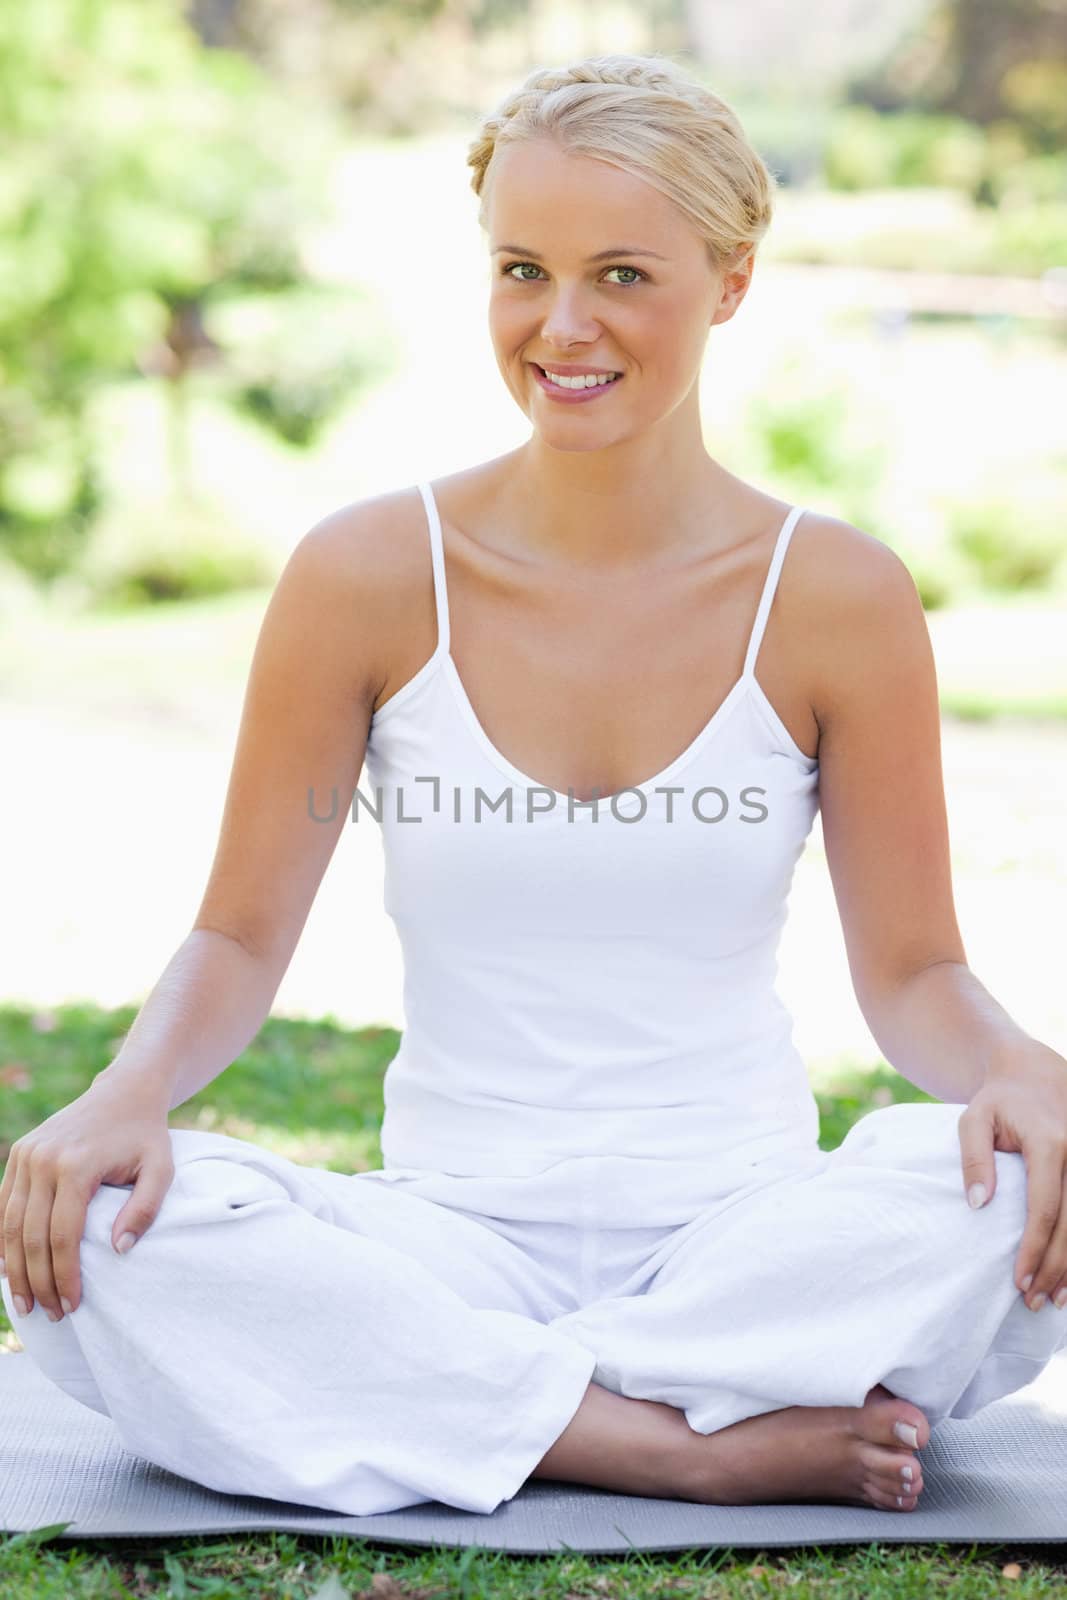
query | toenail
(905,1472)
(900,1499)
(1037,1302)
(907,1434)
(1060,1297)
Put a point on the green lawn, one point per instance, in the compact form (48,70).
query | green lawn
(312,1091)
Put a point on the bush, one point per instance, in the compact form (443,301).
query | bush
(812,437)
(298,361)
(866,149)
(1031,239)
(170,551)
(1009,544)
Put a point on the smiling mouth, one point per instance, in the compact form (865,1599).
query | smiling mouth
(610,380)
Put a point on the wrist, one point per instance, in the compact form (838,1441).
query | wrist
(1013,1053)
(127,1076)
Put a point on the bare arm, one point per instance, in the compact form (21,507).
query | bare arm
(206,1007)
(304,725)
(885,825)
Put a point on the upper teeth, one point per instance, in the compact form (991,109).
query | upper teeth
(589,381)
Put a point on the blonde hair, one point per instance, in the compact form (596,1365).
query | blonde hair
(643,114)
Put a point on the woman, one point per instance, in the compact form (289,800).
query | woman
(605,1246)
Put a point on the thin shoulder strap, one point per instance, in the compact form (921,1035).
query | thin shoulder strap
(437,555)
(769,587)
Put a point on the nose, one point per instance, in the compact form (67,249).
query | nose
(566,323)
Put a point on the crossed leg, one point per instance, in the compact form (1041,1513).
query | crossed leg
(796,1327)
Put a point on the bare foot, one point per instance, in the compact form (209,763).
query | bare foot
(848,1454)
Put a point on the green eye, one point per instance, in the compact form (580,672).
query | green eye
(509,268)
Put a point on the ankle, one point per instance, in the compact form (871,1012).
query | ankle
(639,1447)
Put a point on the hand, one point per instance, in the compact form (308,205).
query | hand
(1022,1106)
(110,1134)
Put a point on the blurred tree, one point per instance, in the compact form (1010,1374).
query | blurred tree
(795,55)
(985,60)
(144,179)
(400,67)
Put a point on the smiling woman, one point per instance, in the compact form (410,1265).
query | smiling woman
(693,225)
(602,1180)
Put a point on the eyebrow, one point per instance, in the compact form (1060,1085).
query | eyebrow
(601,255)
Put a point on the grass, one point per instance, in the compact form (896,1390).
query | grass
(312,1091)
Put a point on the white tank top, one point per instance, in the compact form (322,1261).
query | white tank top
(591,1017)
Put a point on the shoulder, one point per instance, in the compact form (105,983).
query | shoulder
(350,578)
(367,544)
(858,611)
(851,569)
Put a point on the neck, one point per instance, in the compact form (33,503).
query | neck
(623,506)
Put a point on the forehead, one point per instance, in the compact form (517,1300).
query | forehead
(537,185)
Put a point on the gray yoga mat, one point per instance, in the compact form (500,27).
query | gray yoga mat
(1000,1476)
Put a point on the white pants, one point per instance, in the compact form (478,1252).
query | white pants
(330,1340)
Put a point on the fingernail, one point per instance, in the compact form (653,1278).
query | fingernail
(1027,1281)
(976,1195)
(907,1434)
(1037,1302)
(21,1306)
(65,1303)
(126,1242)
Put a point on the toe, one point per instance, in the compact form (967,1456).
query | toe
(902,1424)
(909,1427)
(889,1500)
(884,1413)
(895,1470)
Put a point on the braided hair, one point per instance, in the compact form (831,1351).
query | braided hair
(642,113)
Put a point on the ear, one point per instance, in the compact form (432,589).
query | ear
(736,278)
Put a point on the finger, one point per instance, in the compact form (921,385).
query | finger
(36,1238)
(14,1257)
(976,1151)
(142,1208)
(68,1230)
(1044,1195)
(1052,1265)
(7,1189)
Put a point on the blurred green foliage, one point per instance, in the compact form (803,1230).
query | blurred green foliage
(146,181)
(178,549)
(1009,545)
(867,149)
(815,439)
(1021,224)
(166,160)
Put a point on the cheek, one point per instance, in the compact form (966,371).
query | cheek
(508,321)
